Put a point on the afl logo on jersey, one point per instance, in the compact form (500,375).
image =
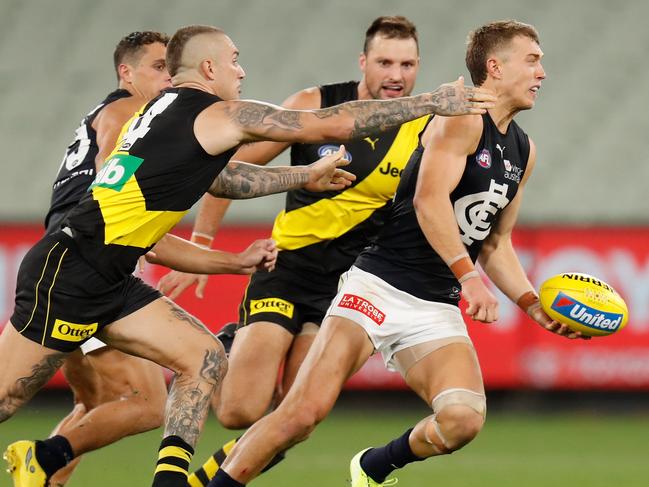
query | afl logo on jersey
(327,150)
(484,158)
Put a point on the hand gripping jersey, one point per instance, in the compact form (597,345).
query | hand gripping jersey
(324,232)
(403,257)
(77,169)
(157,171)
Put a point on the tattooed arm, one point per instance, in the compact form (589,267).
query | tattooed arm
(240,180)
(228,124)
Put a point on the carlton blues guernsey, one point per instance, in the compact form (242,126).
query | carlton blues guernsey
(322,233)
(157,171)
(77,169)
(402,256)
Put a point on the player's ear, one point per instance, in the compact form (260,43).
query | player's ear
(494,68)
(125,73)
(362,61)
(208,69)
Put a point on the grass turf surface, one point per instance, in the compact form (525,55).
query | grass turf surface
(563,449)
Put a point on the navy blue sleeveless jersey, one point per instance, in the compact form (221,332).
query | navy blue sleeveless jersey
(77,169)
(402,255)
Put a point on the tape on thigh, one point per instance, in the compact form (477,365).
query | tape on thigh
(309,328)
(457,396)
(406,358)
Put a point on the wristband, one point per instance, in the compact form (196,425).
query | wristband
(528,301)
(202,239)
(462,268)
(468,275)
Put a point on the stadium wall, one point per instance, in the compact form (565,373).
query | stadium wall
(514,352)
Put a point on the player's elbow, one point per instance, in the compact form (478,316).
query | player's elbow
(423,204)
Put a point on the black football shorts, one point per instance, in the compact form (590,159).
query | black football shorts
(287,297)
(61,301)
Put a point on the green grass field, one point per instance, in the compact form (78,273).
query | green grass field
(513,450)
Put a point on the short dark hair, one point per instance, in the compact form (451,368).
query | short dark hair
(132,44)
(483,41)
(179,41)
(392,27)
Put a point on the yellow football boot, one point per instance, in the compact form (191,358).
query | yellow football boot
(23,466)
(360,478)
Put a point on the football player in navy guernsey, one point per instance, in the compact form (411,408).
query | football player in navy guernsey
(77,282)
(319,234)
(457,202)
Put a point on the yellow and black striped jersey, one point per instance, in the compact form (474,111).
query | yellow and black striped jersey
(324,232)
(156,173)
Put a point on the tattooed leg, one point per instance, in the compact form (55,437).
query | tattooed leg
(189,398)
(27,366)
(168,335)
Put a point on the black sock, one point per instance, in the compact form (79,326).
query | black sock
(379,462)
(53,453)
(222,479)
(174,458)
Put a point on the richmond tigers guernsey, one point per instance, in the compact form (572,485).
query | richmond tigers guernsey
(324,232)
(77,169)
(402,256)
(156,173)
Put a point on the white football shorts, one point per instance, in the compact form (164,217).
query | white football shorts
(393,319)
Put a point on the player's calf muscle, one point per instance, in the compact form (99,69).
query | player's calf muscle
(12,396)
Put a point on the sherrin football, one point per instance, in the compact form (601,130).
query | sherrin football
(584,303)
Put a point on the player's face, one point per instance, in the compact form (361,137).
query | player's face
(522,72)
(150,75)
(230,72)
(390,67)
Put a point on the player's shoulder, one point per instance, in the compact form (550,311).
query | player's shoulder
(306,99)
(465,127)
(121,109)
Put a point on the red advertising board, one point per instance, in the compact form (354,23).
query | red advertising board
(514,352)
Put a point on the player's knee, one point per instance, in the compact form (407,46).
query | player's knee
(209,364)
(239,416)
(458,425)
(151,409)
(301,419)
(459,417)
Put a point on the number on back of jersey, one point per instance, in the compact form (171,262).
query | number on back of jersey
(140,125)
(78,149)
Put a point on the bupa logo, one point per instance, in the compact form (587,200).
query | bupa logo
(484,158)
(272,305)
(587,316)
(73,332)
(327,150)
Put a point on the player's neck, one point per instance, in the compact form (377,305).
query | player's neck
(363,91)
(502,116)
(122,85)
(505,110)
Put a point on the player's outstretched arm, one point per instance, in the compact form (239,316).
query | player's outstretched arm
(180,254)
(240,180)
(228,124)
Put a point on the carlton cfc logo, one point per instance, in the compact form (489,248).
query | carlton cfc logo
(484,158)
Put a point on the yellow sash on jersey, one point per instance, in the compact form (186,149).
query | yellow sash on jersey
(329,218)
